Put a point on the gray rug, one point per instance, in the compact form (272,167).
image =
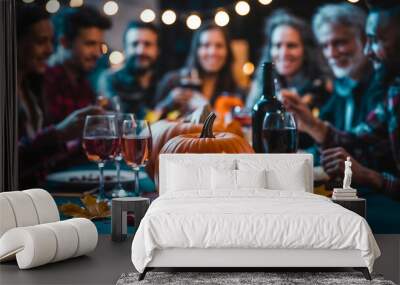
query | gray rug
(242,278)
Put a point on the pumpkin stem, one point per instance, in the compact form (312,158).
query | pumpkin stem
(207,132)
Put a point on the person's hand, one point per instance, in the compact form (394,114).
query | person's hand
(332,160)
(306,121)
(181,95)
(72,126)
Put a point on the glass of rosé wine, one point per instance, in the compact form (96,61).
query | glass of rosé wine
(119,191)
(136,146)
(100,142)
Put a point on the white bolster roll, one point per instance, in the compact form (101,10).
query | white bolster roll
(34,245)
(87,235)
(7,218)
(40,244)
(66,238)
(45,205)
(23,208)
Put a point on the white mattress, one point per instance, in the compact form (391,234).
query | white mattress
(252,219)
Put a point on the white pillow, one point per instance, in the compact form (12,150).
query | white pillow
(182,177)
(237,179)
(251,178)
(223,179)
(280,174)
(189,176)
(279,180)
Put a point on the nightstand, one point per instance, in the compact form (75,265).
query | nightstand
(358,205)
(119,211)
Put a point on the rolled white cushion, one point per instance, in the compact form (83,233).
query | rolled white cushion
(7,218)
(40,244)
(23,208)
(87,235)
(66,238)
(33,246)
(45,205)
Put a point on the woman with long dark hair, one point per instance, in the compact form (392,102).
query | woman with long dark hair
(290,44)
(206,75)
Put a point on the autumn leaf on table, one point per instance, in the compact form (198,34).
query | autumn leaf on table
(90,210)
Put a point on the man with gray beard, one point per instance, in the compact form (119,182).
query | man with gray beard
(339,29)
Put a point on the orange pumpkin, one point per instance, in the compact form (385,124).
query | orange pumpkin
(207,141)
(164,130)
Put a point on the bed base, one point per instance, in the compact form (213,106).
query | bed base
(363,270)
(239,260)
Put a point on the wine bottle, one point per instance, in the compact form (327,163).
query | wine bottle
(268,102)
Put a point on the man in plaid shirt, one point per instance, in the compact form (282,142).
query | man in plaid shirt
(383,123)
(80,35)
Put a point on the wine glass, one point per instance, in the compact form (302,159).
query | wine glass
(136,146)
(279,133)
(100,142)
(118,190)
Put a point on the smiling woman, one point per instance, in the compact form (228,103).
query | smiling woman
(291,46)
(206,76)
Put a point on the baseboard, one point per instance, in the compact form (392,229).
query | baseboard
(389,262)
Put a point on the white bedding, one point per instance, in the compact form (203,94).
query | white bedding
(251,218)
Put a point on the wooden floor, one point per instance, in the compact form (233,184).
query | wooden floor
(110,259)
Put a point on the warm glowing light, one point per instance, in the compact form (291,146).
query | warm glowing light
(353,1)
(265,2)
(168,17)
(147,15)
(110,8)
(116,57)
(221,18)
(28,1)
(248,68)
(193,22)
(52,6)
(75,3)
(242,8)
(104,48)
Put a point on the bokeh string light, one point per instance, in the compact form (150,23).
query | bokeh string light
(193,22)
(242,8)
(75,3)
(110,8)
(52,6)
(221,18)
(147,16)
(168,17)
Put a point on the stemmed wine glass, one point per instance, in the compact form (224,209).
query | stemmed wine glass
(136,146)
(100,142)
(279,133)
(118,190)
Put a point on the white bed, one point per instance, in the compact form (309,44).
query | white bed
(216,224)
